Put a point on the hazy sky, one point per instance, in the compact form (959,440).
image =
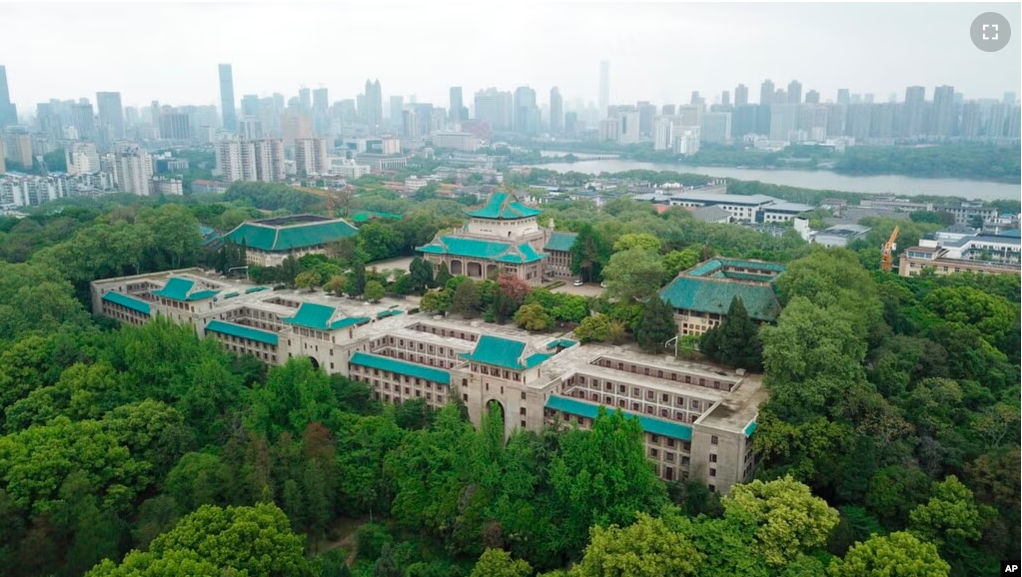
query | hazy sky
(658,52)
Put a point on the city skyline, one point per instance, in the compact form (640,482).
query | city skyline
(927,56)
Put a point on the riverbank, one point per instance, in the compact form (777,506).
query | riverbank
(811,179)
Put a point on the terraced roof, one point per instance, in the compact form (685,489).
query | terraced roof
(503,206)
(507,353)
(710,295)
(243,332)
(715,264)
(137,305)
(365,215)
(561,241)
(321,318)
(268,238)
(182,289)
(401,367)
(650,425)
(482,249)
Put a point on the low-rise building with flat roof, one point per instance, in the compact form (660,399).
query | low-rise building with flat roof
(840,234)
(696,418)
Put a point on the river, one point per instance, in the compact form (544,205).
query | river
(815,179)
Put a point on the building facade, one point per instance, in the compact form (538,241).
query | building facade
(271,240)
(696,419)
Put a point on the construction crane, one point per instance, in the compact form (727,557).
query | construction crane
(887,254)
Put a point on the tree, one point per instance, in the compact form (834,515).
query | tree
(898,554)
(589,253)
(593,328)
(679,260)
(435,301)
(951,518)
(656,326)
(790,520)
(442,275)
(308,280)
(511,293)
(254,541)
(357,281)
(498,563)
(379,240)
(465,299)
(634,274)
(642,240)
(533,317)
(420,274)
(374,291)
(336,285)
(647,548)
(735,342)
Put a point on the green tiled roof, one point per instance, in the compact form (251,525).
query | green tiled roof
(714,265)
(505,353)
(561,241)
(387,313)
(241,331)
(750,429)
(401,367)
(651,425)
(483,249)
(561,343)
(255,289)
(364,215)
(230,295)
(503,206)
(709,295)
(283,238)
(137,305)
(180,289)
(317,316)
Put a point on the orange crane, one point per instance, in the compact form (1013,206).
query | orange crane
(887,254)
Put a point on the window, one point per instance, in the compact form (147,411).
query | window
(669,457)
(713,439)
(521,411)
(523,395)
(713,472)
(653,453)
(713,458)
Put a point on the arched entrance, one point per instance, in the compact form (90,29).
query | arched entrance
(496,409)
(315,363)
(491,271)
(475,270)
(455,267)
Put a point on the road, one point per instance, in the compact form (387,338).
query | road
(586,290)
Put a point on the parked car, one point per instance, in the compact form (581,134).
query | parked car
(578,282)
(603,285)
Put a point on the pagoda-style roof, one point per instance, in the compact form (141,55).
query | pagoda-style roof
(503,206)
(283,234)
(506,353)
(482,249)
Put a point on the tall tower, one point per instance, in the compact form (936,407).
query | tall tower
(604,88)
(374,105)
(766,93)
(556,111)
(741,95)
(8,112)
(794,92)
(227,102)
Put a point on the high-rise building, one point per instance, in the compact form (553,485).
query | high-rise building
(783,121)
(305,99)
(1009,97)
(741,95)
(647,112)
(249,105)
(311,156)
(525,110)
(628,131)
(843,96)
(133,170)
(83,120)
(744,120)
(556,111)
(8,112)
(913,112)
(269,159)
(495,108)
(18,148)
(227,103)
(663,134)
(881,121)
(780,97)
(869,98)
(696,99)
(812,97)
(374,106)
(571,123)
(943,117)
(668,110)
(835,119)
(857,120)
(971,120)
(397,106)
(812,120)
(175,126)
(111,114)
(689,115)
(295,126)
(456,105)
(725,98)
(3,161)
(321,100)
(766,93)
(716,127)
(794,92)
(604,88)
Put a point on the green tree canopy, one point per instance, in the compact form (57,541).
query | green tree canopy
(899,553)
(646,548)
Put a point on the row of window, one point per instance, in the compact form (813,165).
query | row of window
(661,374)
(445,332)
(398,377)
(495,372)
(635,406)
(416,346)
(124,314)
(637,392)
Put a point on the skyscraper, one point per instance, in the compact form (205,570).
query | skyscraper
(8,112)
(227,103)
(305,99)
(320,100)
(526,118)
(943,117)
(556,111)
(913,112)
(454,113)
(647,115)
(741,95)
(111,114)
(766,93)
(725,98)
(397,106)
(794,92)
(812,97)
(83,120)
(1009,97)
(374,105)
(843,97)
(604,88)
(495,108)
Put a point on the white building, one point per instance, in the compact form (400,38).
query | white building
(250,160)
(81,158)
(463,141)
(609,129)
(348,168)
(132,171)
(663,134)
(783,211)
(269,160)
(717,127)
(311,156)
(390,146)
(628,129)
(228,160)
(687,141)
(840,235)
(168,186)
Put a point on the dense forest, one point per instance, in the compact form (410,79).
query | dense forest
(889,445)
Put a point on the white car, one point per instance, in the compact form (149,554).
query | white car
(578,283)
(603,285)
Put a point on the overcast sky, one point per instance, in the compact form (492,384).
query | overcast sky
(657,52)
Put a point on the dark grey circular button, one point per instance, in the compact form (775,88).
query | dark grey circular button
(990,32)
